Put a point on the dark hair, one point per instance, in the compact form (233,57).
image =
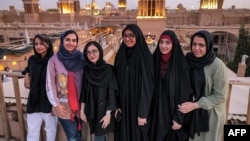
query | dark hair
(206,36)
(6,68)
(98,46)
(46,41)
(199,35)
(136,31)
(67,32)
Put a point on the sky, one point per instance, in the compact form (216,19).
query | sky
(131,4)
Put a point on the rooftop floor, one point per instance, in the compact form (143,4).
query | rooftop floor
(239,99)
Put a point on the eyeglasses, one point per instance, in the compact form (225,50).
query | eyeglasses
(129,36)
(94,52)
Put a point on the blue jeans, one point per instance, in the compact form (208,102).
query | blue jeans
(70,129)
(100,138)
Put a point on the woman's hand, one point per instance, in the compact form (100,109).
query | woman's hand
(61,111)
(83,116)
(27,81)
(176,125)
(142,121)
(187,107)
(105,120)
(117,111)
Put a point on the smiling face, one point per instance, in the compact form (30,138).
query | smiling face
(93,54)
(70,42)
(129,38)
(165,45)
(199,47)
(41,47)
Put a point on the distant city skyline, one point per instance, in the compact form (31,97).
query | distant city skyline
(131,4)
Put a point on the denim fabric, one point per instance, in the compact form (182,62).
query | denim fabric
(100,138)
(70,129)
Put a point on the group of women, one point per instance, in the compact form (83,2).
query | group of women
(167,96)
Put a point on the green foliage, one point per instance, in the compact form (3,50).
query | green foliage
(243,47)
(233,66)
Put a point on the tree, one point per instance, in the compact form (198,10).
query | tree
(243,47)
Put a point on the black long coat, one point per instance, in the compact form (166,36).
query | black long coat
(134,71)
(172,88)
(97,101)
(37,69)
(99,91)
(37,99)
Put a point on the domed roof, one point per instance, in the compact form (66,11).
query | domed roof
(180,6)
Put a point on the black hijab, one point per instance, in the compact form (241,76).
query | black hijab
(172,89)
(208,58)
(96,75)
(177,70)
(142,60)
(38,68)
(139,51)
(201,119)
(72,61)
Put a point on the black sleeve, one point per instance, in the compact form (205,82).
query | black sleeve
(111,105)
(27,68)
(83,92)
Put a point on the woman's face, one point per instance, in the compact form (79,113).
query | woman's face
(165,45)
(199,48)
(70,42)
(41,47)
(129,38)
(93,54)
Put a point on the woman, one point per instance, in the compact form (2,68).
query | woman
(6,78)
(39,108)
(134,71)
(98,98)
(64,81)
(210,83)
(172,81)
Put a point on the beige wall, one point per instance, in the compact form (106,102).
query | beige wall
(208,17)
(154,27)
(17,63)
(174,17)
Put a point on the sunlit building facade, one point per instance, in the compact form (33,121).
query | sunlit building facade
(151,9)
(66,6)
(122,3)
(211,4)
(122,6)
(151,12)
(31,6)
(151,16)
